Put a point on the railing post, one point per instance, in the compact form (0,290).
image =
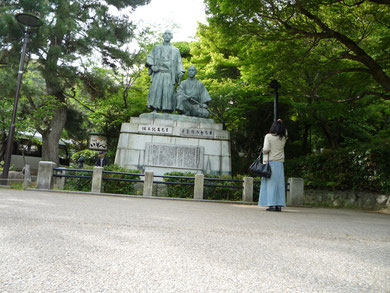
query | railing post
(295,194)
(27,177)
(60,181)
(247,191)
(97,178)
(45,175)
(148,183)
(199,186)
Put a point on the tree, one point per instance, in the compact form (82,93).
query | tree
(116,98)
(328,55)
(357,31)
(72,32)
(245,107)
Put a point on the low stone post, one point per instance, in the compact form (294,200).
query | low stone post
(148,184)
(97,179)
(27,177)
(45,175)
(295,194)
(247,192)
(199,186)
(60,181)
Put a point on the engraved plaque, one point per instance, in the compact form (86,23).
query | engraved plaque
(154,129)
(224,135)
(178,156)
(196,132)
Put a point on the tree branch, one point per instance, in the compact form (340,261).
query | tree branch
(360,55)
(359,97)
(339,71)
(387,2)
(32,104)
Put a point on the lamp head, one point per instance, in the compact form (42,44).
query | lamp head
(275,84)
(28,19)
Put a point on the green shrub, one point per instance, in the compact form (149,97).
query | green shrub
(109,186)
(362,167)
(78,184)
(182,191)
(90,157)
(220,192)
(210,192)
(116,186)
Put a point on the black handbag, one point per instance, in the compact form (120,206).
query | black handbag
(260,169)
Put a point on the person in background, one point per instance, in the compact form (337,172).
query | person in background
(102,160)
(272,190)
(81,161)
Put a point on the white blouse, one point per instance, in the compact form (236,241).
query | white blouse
(273,148)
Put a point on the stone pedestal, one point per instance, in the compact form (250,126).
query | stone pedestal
(162,143)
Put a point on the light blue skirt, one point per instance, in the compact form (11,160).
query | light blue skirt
(272,190)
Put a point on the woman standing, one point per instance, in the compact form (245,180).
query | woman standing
(272,190)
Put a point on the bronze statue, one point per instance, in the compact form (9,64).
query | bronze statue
(166,68)
(192,96)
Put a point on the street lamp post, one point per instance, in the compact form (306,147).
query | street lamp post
(276,86)
(29,21)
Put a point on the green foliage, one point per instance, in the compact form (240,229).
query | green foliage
(245,106)
(184,49)
(76,125)
(72,32)
(221,192)
(123,96)
(182,191)
(323,74)
(90,157)
(79,184)
(120,187)
(362,167)
(210,192)
(109,186)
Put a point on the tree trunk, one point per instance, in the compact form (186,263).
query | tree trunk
(331,135)
(50,138)
(305,140)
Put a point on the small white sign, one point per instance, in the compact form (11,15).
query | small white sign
(154,129)
(221,134)
(97,142)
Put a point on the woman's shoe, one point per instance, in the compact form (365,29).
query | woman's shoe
(272,209)
(278,208)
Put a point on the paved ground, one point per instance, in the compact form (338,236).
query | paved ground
(57,242)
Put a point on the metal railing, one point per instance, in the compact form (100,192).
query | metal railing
(203,187)
(59,175)
(208,182)
(224,180)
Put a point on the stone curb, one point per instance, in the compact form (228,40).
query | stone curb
(142,197)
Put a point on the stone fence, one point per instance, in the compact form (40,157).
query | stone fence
(46,180)
(347,199)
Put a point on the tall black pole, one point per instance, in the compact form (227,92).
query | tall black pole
(276,86)
(276,101)
(11,132)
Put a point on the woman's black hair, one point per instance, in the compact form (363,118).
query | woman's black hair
(278,128)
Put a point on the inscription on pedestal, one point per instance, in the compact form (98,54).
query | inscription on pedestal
(154,129)
(163,155)
(197,132)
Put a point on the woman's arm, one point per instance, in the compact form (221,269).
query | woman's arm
(267,145)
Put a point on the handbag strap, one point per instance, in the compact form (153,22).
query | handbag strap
(261,152)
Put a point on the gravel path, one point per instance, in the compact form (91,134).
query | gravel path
(58,242)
